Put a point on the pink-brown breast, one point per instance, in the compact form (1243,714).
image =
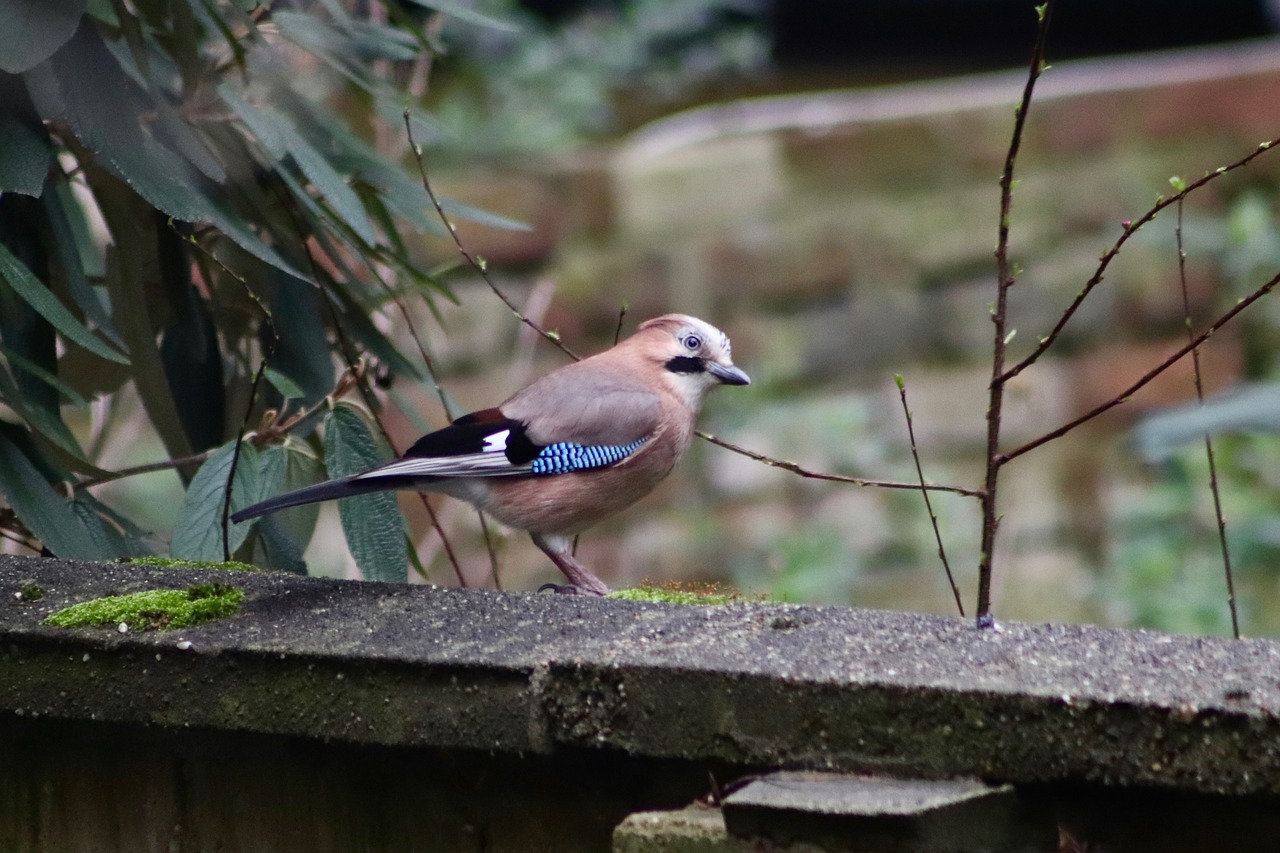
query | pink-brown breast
(570,503)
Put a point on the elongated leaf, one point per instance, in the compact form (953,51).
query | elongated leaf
(197,534)
(372,523)
(84,87)
(267,127)
(344,201)
(471,16)
(43,375)
(459,210)
(132,262)
(189,350)
(43,301)
(1253,407)
(278,137)
(379,41)
(27,153)
(91,257)
(106,538)
(67,244)
(43,510)
(303,353)
(31,30)
(123,537)
(46,422)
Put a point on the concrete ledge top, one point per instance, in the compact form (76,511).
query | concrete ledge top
(758,685)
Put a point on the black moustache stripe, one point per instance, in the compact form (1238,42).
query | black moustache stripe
(686,364)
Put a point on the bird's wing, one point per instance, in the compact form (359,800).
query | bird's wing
(568,421)
(589,403)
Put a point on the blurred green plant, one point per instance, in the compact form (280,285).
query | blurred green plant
(187,194)
(549,85)
(1164,569)
(1164,566)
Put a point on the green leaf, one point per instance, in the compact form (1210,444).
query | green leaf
(459,210)
(279,138)
(197,534)
(63,224)
(276,531)
(44,376)
(123,538)
(43,510)
(280,551)
(84,87)
(302,354)
(27,153)
(267,127)
(46,421)
(344,201)
(31,30)
(193,365)
(47,305)
(372,523)
(471,16)
(377,41)
(301,468)
(91,256)
(288,389)
(131,258)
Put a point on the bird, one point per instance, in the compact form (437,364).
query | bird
(576,446)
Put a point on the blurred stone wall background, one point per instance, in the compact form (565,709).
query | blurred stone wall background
(845,236)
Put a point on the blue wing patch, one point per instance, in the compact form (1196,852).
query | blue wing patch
(565,457)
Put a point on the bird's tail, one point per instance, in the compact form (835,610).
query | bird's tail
(327,491)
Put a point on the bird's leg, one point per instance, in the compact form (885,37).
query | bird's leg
(557,548)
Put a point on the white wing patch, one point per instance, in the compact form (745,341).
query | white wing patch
(487,463)
(496,443)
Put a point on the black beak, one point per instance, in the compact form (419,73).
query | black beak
(728,374)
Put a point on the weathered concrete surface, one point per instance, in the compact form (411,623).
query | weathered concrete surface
(764,685)
(846,812)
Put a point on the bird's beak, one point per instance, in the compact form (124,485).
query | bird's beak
(728,374)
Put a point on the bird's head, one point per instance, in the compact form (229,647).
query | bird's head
(694,356)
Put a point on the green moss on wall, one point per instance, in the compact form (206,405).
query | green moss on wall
(681,594)
(170,563)
(153,609)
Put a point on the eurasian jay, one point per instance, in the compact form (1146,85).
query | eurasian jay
(578,445)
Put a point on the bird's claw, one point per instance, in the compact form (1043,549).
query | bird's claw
(560,588)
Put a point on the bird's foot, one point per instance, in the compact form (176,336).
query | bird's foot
(560,588)
(581,580)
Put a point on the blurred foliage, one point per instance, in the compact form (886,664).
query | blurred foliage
(1164,566)
(548,85)
(188,189)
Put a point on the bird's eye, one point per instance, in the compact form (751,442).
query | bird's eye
(692,342)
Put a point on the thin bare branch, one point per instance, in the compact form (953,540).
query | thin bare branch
(476,263)
(1131,227)
(999,317)
(1208,441)
(835,478)
(1151,374)
(924,492)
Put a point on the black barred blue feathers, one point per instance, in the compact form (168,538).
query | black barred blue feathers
(565,457)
